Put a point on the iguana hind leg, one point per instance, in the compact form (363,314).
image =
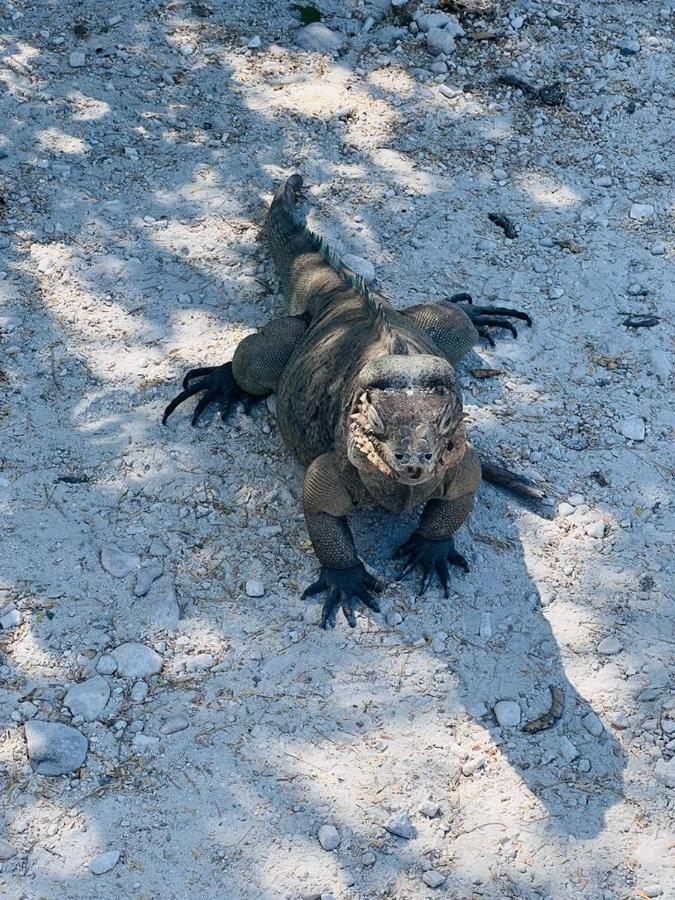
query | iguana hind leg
(253,373)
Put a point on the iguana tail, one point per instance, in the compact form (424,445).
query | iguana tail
(511,481)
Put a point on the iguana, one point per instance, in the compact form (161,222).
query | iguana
(367,400)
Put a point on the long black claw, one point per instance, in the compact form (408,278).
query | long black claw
(494,322)
(458,560)
(184,395)
(485,334)
(207,399)
(503,311)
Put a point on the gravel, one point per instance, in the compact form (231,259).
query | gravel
(104,862)
(400,825)
(54,748)
(329,837)
(136,660)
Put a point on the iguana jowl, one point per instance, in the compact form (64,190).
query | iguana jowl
(367,399)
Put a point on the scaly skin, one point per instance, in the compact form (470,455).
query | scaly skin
(367,400)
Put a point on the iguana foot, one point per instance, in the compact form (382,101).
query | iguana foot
(431,556)
(485,317)
(218,386)
(348,588)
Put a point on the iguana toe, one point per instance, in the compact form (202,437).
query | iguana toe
(217,385)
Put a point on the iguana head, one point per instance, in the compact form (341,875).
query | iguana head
(406,419)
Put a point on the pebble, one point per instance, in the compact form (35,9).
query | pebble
(652,890)
(555,293)
(500,174)
(567,749)
(10,619)
(89,698)
(329,837)
(393,618)
(632,427)
(507,713)
(642,212)
(665,771)
(136,660)
(440,40)
(7,850)
(77,59)
(254,43)
(368,858)
(318,38)
(429,21)
(255,588)
(610,646)
(540,266)
(200,662)
(104,862)
(659,363)
(473,765)
(54,748)
(359,266)
(433,878)
(485,628)
(139,691)
(146,577)
(117,562)
(400,825)
(107,665)
(584,765)
(158,548)
(592,724)
(174,724)
(429,809)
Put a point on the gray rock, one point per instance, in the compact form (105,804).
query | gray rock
(158,548)
(7,850)
(117,562)
(659,362)
(54,748)
(507,713)
(610,646)
(429,809)
(329,837)
(473,765)
(318,38)
(10,619)
(200,662)
(104,862)
(632,427)
(428,22)
(665,771)
(174,724)
(77,59)
(146,577)
(440,40)
(107,665)
(592,724)
(642,212)
(255,588)
(400,825)
(359,266)
(567,749)
(162,610)
(136,660)
(433,878)
(139,692)
(89,698)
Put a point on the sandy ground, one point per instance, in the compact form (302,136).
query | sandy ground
(139,144)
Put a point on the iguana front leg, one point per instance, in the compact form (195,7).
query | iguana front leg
(327,503)
(253,373)
(432,546)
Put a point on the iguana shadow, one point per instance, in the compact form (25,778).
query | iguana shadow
(499,645)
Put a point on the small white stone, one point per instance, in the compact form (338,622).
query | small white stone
(433,878)
(255,588)
(632,427)
(473,765)
(592,724)
(665,771)
(7,850)
(642,212)
(10,619)
(555,293)
(54,748)
(507,713)
(200,662)
(610,646)
(174,724)
(440,40)
(329,837)
(659,363)
(429,809)
(500,174)
(139,692)
(254,43)
(117,562)
(565,509)
(319,38)
(77,59)
(89,698)
(485,629)
(146,577)
(394,618)
(136,660)
(106,665)
(567,749)
(104,862)
(400,825)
